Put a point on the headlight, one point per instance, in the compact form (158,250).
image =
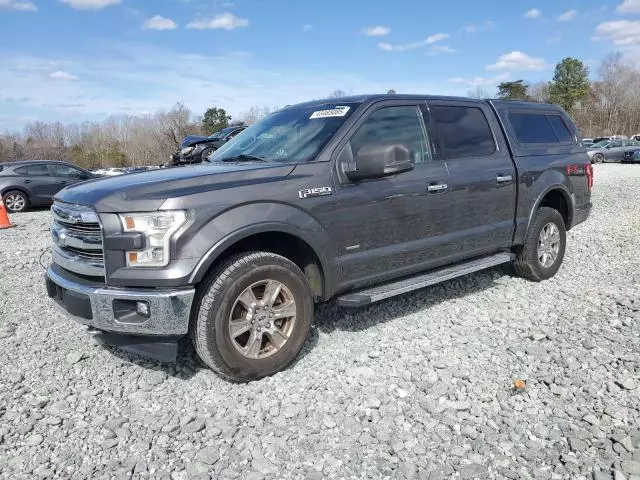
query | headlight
(157,228)
(187,150)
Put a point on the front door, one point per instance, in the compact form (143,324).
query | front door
(389,226)
(66,175)
(482,196)
(38,181)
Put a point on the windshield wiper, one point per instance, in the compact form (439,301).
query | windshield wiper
(243,158)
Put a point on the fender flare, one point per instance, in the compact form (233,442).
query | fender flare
(222,245)
(567,197)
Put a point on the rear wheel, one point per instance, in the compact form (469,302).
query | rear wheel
(253,316)
(543,251)
(15,201)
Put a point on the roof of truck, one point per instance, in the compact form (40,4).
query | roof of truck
(394,96)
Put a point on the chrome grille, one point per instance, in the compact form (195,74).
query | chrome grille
(77,239)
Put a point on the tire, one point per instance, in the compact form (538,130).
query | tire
(598,158)
(15,201)
(528,263)
(223,301)
(205,153)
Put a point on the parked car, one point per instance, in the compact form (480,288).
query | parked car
(358,198)
(195,148)
(587,142)
(611,150)
(34,183)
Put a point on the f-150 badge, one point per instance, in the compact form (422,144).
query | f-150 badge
(315,192)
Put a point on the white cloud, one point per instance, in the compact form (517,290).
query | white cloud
(159,22)
(629,6)
(90,4)
(479,27)
(18,5)
(225,21)
(620,32)
(60,75)
(438,37)
(438,49)
(518,61)
(568,16)
(307,27)
(533,13)
(377,31)
(480,81)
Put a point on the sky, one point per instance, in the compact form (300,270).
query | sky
(77,60)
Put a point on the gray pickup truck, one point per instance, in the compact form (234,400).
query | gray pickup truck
(356,199)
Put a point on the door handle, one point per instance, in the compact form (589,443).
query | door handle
(26,181)
(437,187)
(504,179)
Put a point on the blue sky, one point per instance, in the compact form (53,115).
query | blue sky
(75,60)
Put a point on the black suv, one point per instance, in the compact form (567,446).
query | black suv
(195,148)
(35,182)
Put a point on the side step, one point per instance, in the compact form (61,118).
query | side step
(375,294)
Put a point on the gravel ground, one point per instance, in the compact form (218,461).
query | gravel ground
(415,387)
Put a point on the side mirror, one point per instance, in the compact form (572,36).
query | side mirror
(373,161)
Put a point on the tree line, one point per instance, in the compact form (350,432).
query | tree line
(607,105)
(118,141)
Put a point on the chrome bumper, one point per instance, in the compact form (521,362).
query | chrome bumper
(94,306)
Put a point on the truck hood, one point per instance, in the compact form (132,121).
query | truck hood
(147,191)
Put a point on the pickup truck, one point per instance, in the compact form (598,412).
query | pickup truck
(356,199)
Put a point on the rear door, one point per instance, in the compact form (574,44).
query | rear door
(482,193)
(37,179)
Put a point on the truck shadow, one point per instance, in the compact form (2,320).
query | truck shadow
(329,318)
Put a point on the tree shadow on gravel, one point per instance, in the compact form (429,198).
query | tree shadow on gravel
(329,317)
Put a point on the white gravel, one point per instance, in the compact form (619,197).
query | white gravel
(415,387)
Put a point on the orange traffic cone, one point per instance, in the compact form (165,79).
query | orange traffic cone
(4,218)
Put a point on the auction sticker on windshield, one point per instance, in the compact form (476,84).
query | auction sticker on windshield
(333,112)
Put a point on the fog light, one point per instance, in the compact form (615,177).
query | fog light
(142,308)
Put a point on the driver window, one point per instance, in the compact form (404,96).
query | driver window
(392,126)
(67,172)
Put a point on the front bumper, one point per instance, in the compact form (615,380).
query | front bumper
(114,310)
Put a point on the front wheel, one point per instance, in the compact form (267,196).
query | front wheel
(206,152)
(253,316)
(598,158)
(543,251)
(15,201)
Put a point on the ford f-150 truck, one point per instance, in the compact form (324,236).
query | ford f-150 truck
(355,199)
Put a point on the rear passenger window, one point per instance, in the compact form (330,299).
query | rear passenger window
(540,128)
(463,131)
(33,170)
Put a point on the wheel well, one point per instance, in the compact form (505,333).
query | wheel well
(556,199)
(12,189)
(288,246)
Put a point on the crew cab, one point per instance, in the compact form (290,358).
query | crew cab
(356,199)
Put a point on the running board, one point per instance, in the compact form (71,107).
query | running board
(375,294)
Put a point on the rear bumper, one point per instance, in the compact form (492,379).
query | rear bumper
(114,310)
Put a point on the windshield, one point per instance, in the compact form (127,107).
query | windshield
(291,135)
(222,132)
(601,144)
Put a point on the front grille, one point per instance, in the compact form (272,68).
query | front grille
(77,239)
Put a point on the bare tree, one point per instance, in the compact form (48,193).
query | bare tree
(480,92)
(539,92)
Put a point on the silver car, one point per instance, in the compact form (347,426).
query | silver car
(611,150)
